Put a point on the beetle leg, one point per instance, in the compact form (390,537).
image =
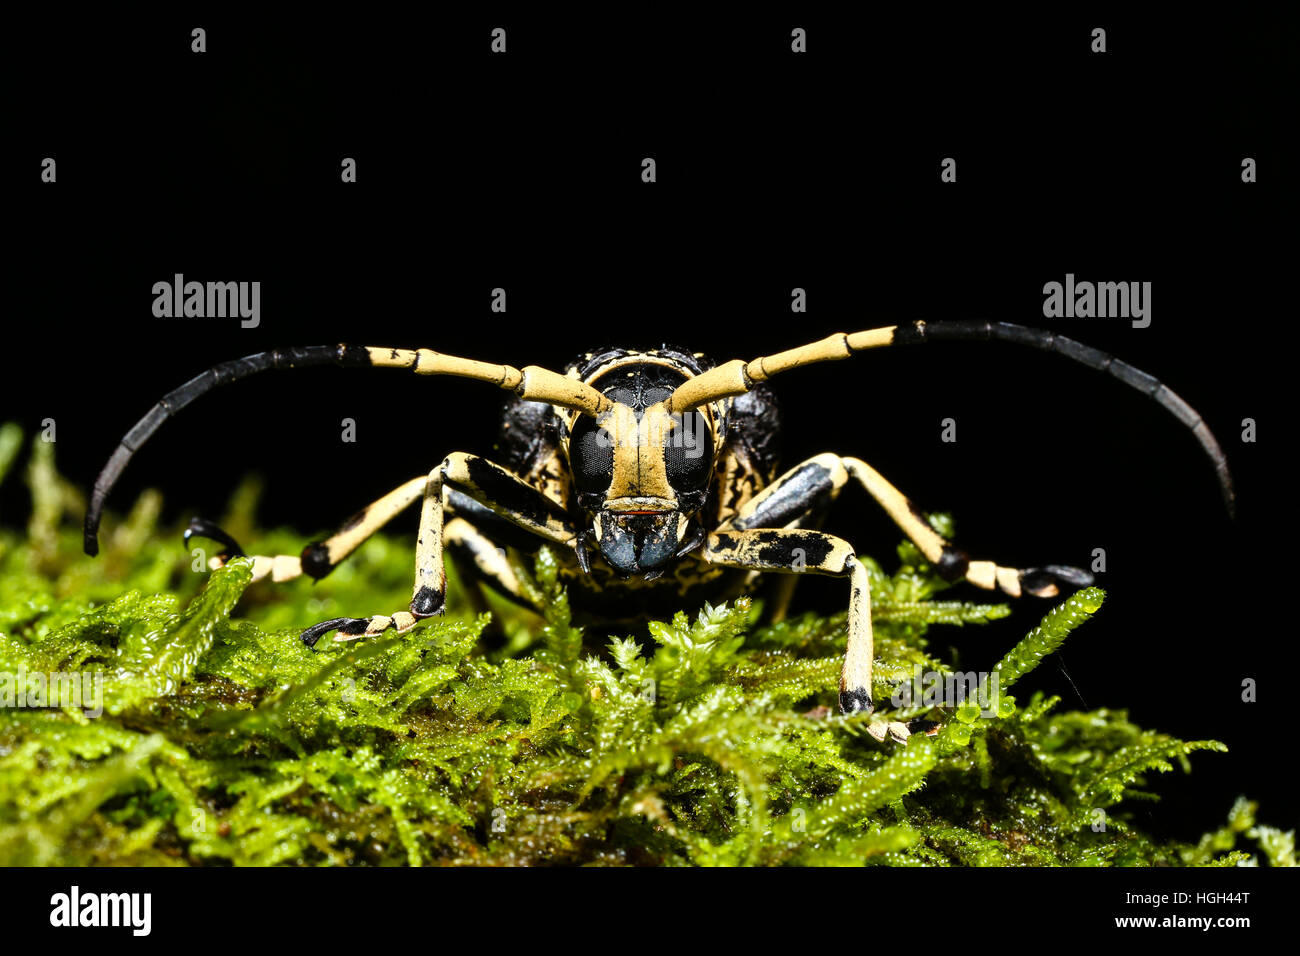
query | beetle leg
(484,560)
(800,498)
(320,557)
(951,562)
(797,551)
(465,482)
(813,484)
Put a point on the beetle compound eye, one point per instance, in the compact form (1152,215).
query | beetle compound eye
(591,454)
(688,452)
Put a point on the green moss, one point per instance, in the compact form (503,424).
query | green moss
(223,740)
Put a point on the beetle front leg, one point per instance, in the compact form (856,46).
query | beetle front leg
(796,551)
(430,579)
(501,492)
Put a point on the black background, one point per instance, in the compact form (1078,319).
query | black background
(820,171)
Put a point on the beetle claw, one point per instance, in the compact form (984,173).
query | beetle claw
(1046,582)
(204,528)
(345,625)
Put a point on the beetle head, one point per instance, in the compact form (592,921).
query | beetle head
(641,473)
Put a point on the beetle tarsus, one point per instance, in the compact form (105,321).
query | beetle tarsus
(920,725)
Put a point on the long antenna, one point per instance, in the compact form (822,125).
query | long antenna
(737,377)
(531,382)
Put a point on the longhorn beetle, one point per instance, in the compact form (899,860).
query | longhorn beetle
(654,471)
